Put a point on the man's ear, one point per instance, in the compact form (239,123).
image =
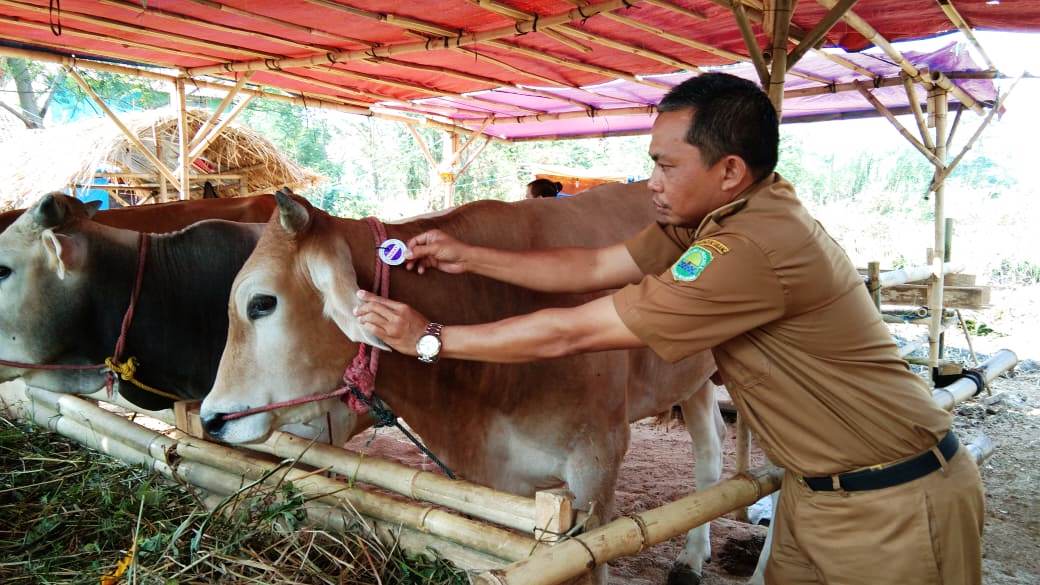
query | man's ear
(64,252)
(734,171)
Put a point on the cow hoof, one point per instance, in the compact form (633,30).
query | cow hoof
(682,574)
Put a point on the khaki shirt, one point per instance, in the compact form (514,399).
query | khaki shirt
(802,349)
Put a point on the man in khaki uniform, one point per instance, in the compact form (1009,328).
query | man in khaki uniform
(877,488)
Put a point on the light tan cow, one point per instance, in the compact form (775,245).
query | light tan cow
(519,427)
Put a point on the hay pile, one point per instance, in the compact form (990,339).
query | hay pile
(69,515)
(33,162)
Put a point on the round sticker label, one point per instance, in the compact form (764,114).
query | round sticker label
(392,252)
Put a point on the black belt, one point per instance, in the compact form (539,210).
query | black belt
(895,474)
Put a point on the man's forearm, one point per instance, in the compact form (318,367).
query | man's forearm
(560,270)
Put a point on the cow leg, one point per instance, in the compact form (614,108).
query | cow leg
(591,474)
(759,577)
(707,430)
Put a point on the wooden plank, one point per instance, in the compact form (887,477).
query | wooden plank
(954,297)
(553,514)
(186,417)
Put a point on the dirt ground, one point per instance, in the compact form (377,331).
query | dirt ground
(659,468)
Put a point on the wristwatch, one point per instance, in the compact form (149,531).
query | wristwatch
(429,345)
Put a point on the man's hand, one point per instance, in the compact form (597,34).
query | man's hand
(436,249)
(397,324)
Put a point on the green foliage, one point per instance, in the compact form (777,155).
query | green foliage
(978,328)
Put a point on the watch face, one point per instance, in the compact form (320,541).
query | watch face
(429,345)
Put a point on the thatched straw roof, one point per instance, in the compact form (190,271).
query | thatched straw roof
(33,162)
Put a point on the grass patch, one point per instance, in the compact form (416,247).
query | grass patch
(70,515)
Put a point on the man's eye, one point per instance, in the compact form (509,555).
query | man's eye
(4,272)
(261,306)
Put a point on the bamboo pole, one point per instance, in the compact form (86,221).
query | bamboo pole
(474,156)
(509,510)
(962,25)
(184,158)
(874,283)
(458,152)
(629,535)
(69,31)
(558,35)
(915,274)
(203,144)
(576,65)
(915,106)
(459,40)
(671,7)
(391,19)
(750,41)
(938,101)
(888,115)
(965,388)
(871,34)
(818,32)
(966,99)
(627,48)
(224,103)
(422,146)
(953,129)
(482,537)
(783,10)
(283,23)
(130,136)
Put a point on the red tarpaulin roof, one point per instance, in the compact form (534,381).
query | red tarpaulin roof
(430,57)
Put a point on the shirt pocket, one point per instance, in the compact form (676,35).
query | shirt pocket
(743,364)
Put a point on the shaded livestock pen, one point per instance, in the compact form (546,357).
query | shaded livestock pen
(600,69)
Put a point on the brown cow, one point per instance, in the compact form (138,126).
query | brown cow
(161,218)
(518,428)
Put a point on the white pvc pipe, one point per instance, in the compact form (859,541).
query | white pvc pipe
(914,274)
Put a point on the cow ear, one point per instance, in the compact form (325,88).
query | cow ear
(92,207)
(50,211)
(292,214)
(335,279)
(64,252)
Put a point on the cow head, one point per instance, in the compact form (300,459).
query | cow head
(43,261)
(292,328)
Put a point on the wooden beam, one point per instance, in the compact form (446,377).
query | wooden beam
(224,103)
(134,140)
(431,45)
(818,32)
(954,297)
(884,111)
(750,41)
(204,143)
(184,160)
(955,17)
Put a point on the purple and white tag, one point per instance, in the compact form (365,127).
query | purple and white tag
(392,252)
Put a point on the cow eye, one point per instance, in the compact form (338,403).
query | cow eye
(261,306)
(4,272)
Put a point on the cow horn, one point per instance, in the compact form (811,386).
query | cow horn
(292,214)
(49,211)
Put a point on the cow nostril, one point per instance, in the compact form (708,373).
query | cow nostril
(213,423)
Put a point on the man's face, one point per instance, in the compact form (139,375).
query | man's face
(684,188)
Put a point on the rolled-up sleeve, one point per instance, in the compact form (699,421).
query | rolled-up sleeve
(735,291)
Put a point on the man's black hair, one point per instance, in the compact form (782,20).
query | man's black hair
(544,188)
(730,116)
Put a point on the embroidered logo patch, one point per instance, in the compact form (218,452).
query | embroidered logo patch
(691,264)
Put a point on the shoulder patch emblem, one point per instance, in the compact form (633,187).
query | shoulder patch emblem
(692,263)
(713,245)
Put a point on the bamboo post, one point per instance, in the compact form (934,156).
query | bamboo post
(938,101)
(915,106)
(962,25)
(474,156)
(874,282)
(782,11)
(224,103)
(553,515)
(888,115)
(204,143)
(183,160)
(740,14)
(947,251)
(818,32)
(130,136)
(743,455)
(460,149)
(965,388)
